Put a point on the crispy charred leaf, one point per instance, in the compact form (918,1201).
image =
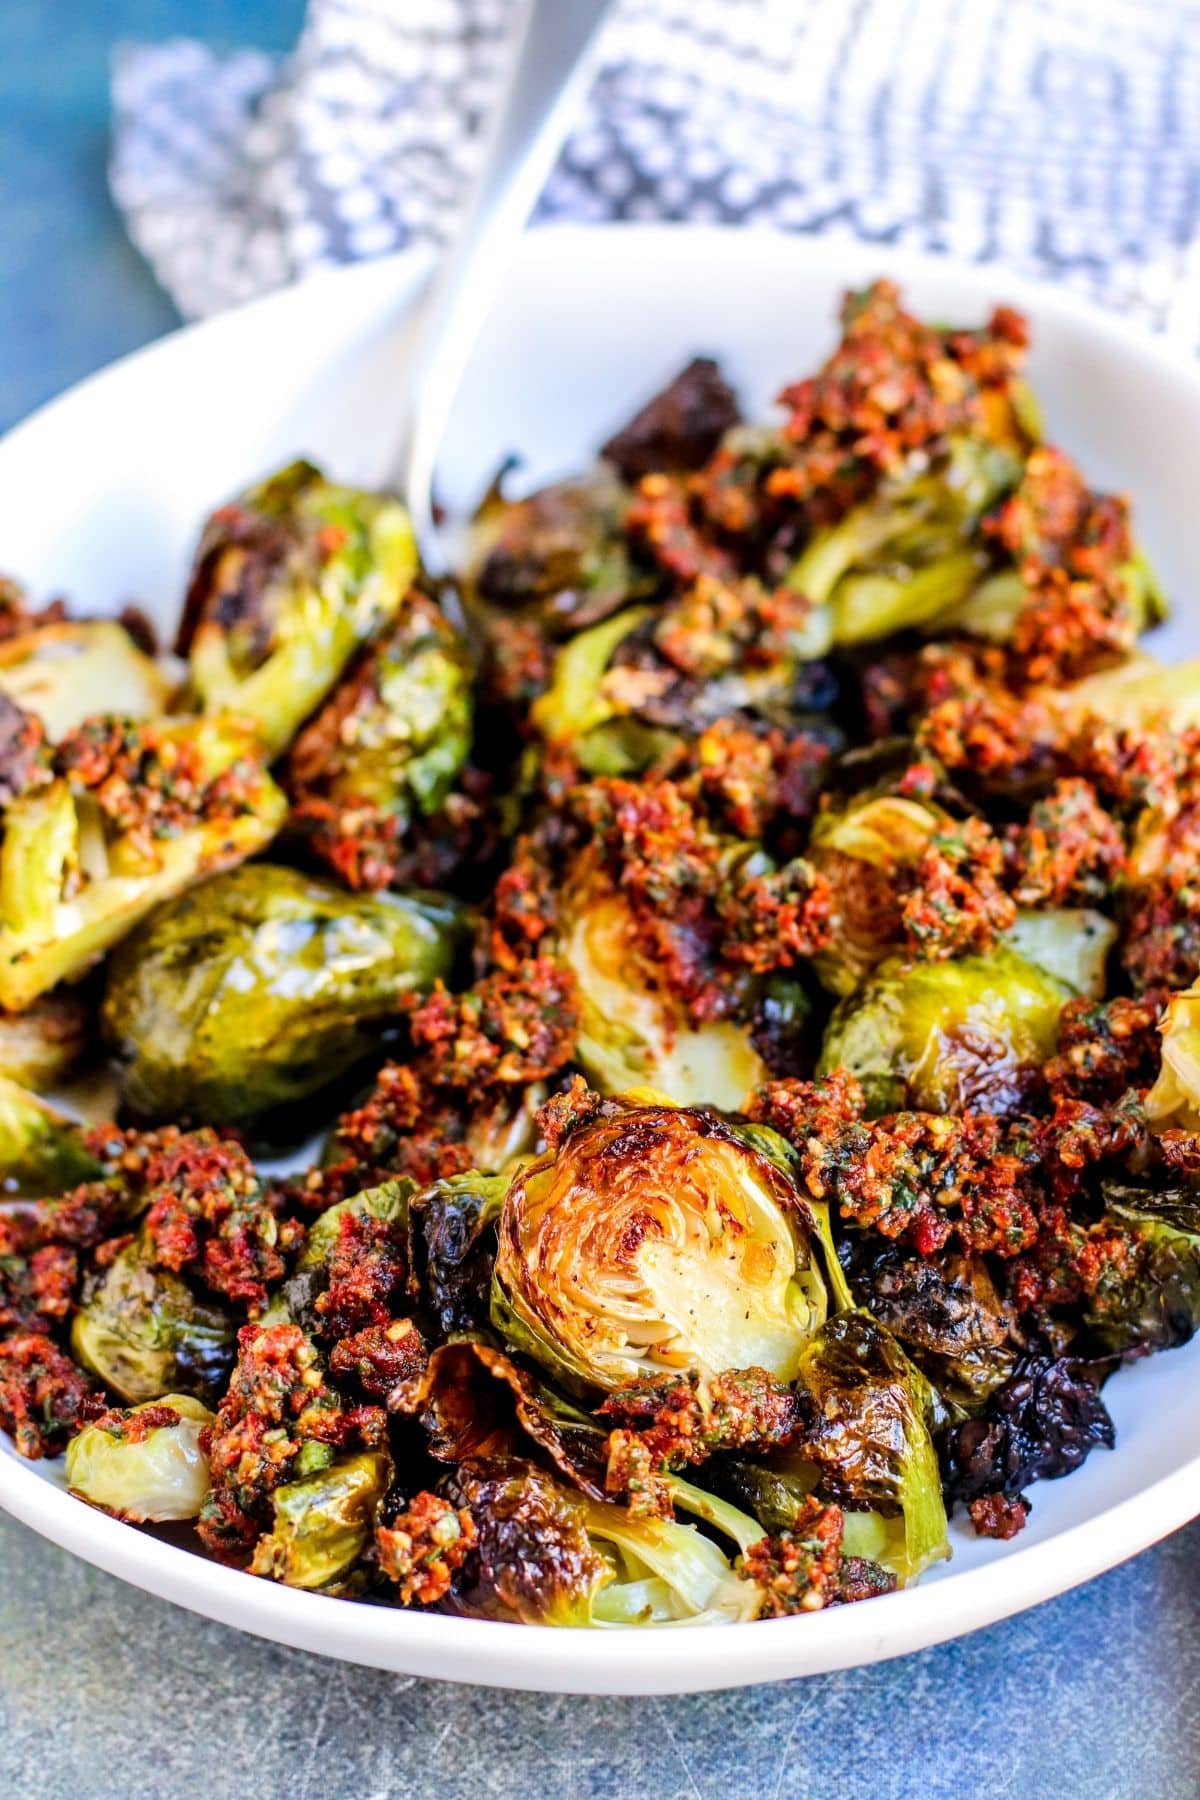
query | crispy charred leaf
(947,1036)
(145,1333)
(680,428)
(289,582)
(1144,1287)
(64,672)
(947,1315)
(136,813)
(144,1464)
(474,1401)
(454,1232)
(243,998)
(323,1522)
(656,1239)
(1042,1424)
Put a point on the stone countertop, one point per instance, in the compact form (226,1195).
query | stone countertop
(105,1691)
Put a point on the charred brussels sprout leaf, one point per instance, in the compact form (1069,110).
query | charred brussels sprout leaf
(949,1318)
(547,1556)
(656,1240)
(949,1036)
(144,1333)
(289,582)
(64,673)
(146,1466)
(41,1150)
(141,813)
(1039,1426)
(559,554)
(323,1521)
(454,1226)
(256,990)
(1149,1297)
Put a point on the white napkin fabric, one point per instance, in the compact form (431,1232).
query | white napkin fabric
(1059,137)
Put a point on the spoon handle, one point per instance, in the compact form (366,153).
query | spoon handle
(550,68)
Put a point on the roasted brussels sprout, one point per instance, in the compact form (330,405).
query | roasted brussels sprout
(322,1522)
(145,1465)
(860,847)
(947,1315)
(289,582)
(632,1033)
(380,759)
(64,673)
(41,1046)
(657,1239)
(1139,694)
(144,1332)
(387,1204)
(906,555)
(1146,1295)
(1071,943)
(868,1448)
(139,813)
(252,992)
(548,1556)
(947,1036)
(454,1225)
(41,1150)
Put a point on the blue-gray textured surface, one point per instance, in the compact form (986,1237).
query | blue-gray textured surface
(104,1691)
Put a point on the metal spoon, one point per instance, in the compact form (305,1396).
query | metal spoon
(551,66)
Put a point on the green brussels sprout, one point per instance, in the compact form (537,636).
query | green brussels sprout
(905,556)
(1148,1298)
(859,846)
(991,611)
(257,989)
(40,1047)
(948,1036)
(657,1239)
(582,709)
(62,672)
(1174,1100)
(632,1035)
(548,1556)
(323,1521)
(289,582)
(388,1202)
(868,1449)
(144,1333)
(148,1467)
(74,879)
(384,751)
(41,1150)
(1071,943)
(559,554)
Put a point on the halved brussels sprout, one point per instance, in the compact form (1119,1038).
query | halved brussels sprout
(657,1239)
(560,552)
(1148,1297)
(289,582)
(384,751)
(1140,693)
(868,1449)
(548,1556)
(40,1047)
(1071,943)
(1175,1097)
(75,878)
(323,1521)
(859,847)
(388,1202)
(581,708)
(948,1036)
(66,672)
(147,1468)
(144,1333)
(905,555)
(259,988)
(631,1033)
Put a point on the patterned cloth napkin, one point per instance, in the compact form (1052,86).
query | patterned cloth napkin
(1060,137)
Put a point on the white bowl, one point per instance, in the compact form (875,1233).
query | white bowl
(101,496)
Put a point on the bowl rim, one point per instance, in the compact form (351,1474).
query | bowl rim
(621,1661)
